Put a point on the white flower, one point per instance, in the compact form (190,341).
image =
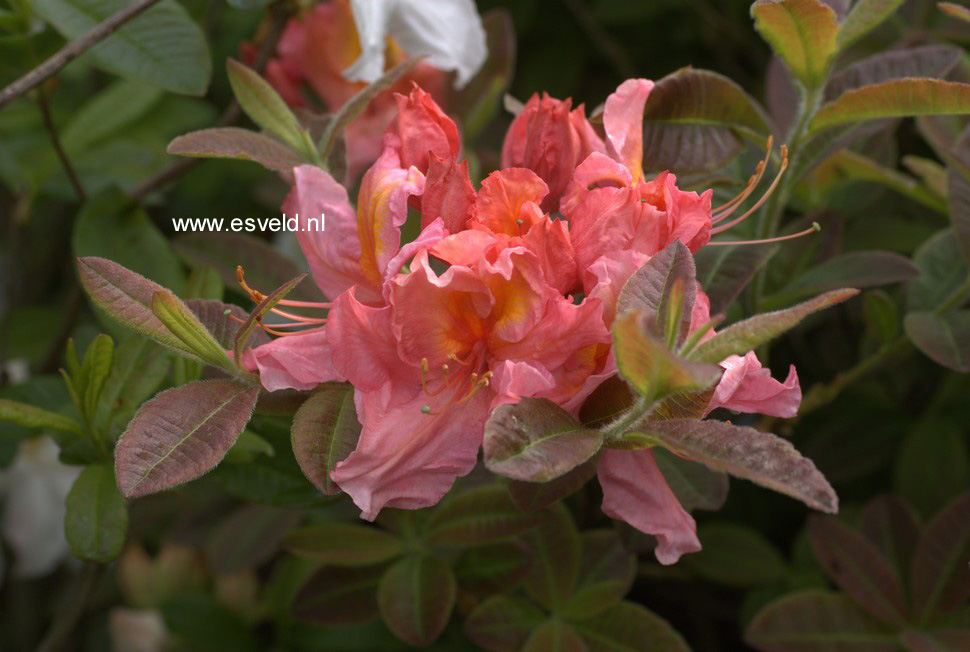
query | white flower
(33,518)
(449,32)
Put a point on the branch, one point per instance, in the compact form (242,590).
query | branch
(45,111)
(72,51)
(228,117)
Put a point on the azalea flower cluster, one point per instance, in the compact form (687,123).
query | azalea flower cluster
(509,291)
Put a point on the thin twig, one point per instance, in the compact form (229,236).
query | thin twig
(45,111)
(228,117)
(63,626)
(72,51)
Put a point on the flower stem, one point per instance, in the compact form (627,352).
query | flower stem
(64,624)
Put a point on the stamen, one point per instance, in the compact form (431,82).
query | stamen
(241,279)
(723,211)
(764,197)
(810,230)
(273,331)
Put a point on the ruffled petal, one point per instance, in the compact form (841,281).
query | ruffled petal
(293,362)
(635,491)
(746,386)
(623,123)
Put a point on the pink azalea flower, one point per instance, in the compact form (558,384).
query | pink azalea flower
(431,365)
(746,386)
(551,140)
(314,50)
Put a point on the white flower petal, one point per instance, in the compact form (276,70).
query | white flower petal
(449,32)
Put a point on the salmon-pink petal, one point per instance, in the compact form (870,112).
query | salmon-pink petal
(293,362)
(605,278)
(508,201)
(381,211)
(364,350)
(549,241)
(688,216)
(428,238)
(333,254)
(422,129)
(550,140)
(623,123)
(448,194)
(515,379)
(635,491)
(521,294)
(434,316)
(406,458)
(746,386)
(466,247)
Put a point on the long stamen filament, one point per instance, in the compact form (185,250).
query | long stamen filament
(810,230)
(724,211)
(762,200)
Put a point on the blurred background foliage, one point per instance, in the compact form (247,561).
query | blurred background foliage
(209,560)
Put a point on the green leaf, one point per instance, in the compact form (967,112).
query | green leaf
(958,193)
(695,485)
(534,496)
(925,61)
(181,434)
(942,272)
(606,575)
(109,226)
(138,368)
(116,107)
(265,267)
(503,623)
(415,598)
(940,577)
(955,10)
(557,551)
(339,596)
(236,143)
(32,417)
(260,311)
(804,33)
(628,627)
(724,272)
(267,109)
(897,98)
(864,16)
(747,335)
(201,622)
(490,569)
(223,320)
(932,465)
(817,621)
(736,555)
(249,4)
(859,269)
(892,526)
(650,367)
(479,516)
(554,634)
(881,316)
(664,280)
(325,431)
(343,544)
(359,102)
(944,338)
(704,97)
(857,567)
(760,457)
(162,47)
(697,119)
(95,368)
(183,324)
(247,538)
(96,521)
(536,440)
